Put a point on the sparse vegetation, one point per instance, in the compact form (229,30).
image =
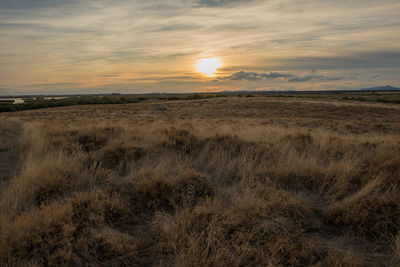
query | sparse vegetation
(212,182)
(41,102)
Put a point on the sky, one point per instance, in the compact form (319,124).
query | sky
(153,46)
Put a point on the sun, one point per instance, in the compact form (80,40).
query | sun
(208,66)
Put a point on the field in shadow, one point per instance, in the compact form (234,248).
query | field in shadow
(216,182)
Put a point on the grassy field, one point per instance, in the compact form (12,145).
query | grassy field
(228,181)
(40,102)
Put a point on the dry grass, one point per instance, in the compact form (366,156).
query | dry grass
(240,182)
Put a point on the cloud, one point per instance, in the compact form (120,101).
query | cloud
(217,3)
(310,77)
(364,60)
(28,4)
(78,41)
(162,78)
(42,29)
(178,27)
(54,84)
(254,76)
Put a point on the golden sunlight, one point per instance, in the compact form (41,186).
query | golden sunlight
(208,66)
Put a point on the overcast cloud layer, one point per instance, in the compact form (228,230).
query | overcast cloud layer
(71,46)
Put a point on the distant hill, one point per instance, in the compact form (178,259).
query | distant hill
(370,89)
(381,88)
(242,91)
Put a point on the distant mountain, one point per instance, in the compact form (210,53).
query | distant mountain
(381,88)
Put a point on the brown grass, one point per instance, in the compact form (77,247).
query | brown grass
(218,182)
